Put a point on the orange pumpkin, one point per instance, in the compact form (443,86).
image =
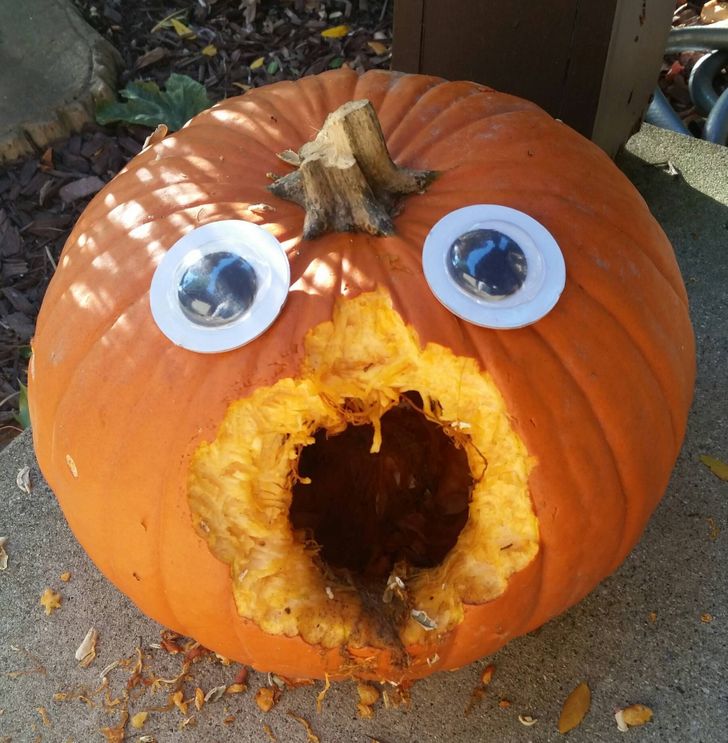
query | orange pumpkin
(372,486)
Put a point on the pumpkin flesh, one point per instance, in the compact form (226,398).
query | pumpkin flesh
(356,368)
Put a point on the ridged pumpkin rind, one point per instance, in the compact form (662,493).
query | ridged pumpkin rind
(598,390)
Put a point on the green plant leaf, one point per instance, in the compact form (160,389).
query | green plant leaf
(23,416)
(146,104)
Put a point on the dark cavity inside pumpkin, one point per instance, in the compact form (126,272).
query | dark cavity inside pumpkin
(368,512)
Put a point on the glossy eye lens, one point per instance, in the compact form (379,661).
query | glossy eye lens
(494,266)
(487,263)
(220,286)
(217,288)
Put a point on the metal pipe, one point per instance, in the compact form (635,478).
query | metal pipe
(702,90)
(692,38)
(661,113)
(716,125)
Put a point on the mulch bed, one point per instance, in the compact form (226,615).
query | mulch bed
(41,197)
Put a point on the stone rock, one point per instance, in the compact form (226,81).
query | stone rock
(54,69)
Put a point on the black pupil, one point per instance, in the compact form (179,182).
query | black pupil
(487,263)
(217,289)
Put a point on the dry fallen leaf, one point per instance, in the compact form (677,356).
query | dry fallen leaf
(632,716)
(50,601)
(22,479)
(336,32)
(156,136)
(377,47)
(257,63)
(65,577)
(183,31)
(3,553)
(575,708)
(86,651)
(157,54)
(706,618)
(487,676)
(210,50)
(505,703)
(716,466)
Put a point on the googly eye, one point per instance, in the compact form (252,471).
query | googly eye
(494,266)
(220,286)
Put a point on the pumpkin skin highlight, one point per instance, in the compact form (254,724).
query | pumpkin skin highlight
(598,390)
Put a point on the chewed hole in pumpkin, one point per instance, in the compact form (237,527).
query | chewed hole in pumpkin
(369,512)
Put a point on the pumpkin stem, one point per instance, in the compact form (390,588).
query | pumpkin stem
(346,180)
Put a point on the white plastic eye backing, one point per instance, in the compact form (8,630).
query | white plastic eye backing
(220,286)
(494,266)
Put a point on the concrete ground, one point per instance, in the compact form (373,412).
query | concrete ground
(655,633)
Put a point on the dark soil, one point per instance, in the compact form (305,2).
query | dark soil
(41,197)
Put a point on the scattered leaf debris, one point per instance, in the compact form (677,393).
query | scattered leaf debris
(50,601)
(479,692)
(38,667)
(3,553)
(43,712)
(706,618)
(266,697)
(320,696)
(213,694)
(713,529)
(86,651)
(632,716)
(22,479)
(269,732)
(65,577)
(716,466)
(138,720)
(311,737)
(116,734)
(369,695)
(575,708)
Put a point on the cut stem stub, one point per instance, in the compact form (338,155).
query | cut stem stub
(346,181)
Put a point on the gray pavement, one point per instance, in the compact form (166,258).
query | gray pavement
(638,637)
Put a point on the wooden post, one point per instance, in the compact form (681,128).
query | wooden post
(592,64)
